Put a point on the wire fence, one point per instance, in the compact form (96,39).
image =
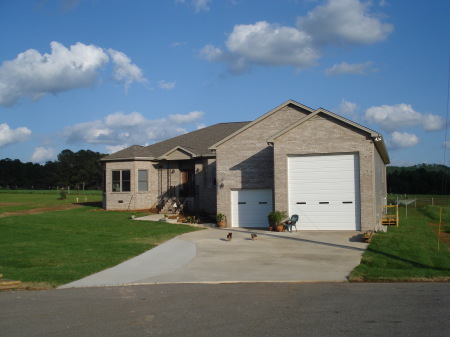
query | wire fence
(418,200)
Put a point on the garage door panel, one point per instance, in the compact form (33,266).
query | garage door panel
(250,207)
(323,190)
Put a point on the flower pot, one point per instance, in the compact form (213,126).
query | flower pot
(221,224)
(280,227)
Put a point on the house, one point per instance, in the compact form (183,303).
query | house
(312,162)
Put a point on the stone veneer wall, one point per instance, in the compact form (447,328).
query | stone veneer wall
(246,160)
(325,135)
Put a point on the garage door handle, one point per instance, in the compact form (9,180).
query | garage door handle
(242,203)
(324,202)
(347,202)
(263,202)
(301,203)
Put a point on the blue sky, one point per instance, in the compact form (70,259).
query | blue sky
(107,74)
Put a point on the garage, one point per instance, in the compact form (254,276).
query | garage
(324,191)
(250,207)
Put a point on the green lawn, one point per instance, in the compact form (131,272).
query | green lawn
(408,252)
(57,247)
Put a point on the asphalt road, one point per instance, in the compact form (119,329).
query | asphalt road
(244,309)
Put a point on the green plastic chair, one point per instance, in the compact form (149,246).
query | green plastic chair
(291,223)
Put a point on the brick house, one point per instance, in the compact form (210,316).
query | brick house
(329,170)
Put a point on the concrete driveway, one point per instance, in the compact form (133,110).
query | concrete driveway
(207,257)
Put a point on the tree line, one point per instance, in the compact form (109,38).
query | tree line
(419,179)
(77,170)
(83,169)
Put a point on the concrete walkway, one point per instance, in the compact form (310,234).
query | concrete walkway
(207,257)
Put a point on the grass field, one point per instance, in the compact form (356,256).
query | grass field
(408,252)
(51,241)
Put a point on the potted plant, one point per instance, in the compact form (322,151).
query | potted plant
(276,220)
(221,220)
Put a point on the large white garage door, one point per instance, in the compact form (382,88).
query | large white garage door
(251,207)
(324,191)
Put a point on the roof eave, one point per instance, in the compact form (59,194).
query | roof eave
(130,159)
(381,147)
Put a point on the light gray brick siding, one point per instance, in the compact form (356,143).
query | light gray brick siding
(325,135)
(161,175)
(246,161)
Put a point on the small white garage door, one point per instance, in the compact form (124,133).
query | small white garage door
(249,208)
(324,191)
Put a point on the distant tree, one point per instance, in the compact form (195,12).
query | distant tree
(75,169)
(419,179)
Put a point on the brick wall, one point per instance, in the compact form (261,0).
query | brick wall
(161,175)
(246,160)
(380,187)
(133,199)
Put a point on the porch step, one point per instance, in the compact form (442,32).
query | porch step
(172,206)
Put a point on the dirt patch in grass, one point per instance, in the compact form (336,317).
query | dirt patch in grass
(26,286)
(445,237)
(36,210)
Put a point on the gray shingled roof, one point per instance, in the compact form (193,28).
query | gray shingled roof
(196,142)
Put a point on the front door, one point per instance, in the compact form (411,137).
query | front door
(187,183)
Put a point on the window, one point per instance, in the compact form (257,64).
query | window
(121,181)
(142,180)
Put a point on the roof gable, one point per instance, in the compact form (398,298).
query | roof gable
(178,153)
(271,112)
(377,137)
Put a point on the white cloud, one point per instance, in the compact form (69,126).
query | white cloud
(119,130)
(269,44)
(433,122)
(264,44)
(115,148)
(347,108)
(402,140)
(344,22)
(346,68)
(392,117)
(338,22)
(11,136)
(124,70)
(212,53)
(166,85)
(119,119)
(42,154)
(199,5)
(178,44)
(35,75)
